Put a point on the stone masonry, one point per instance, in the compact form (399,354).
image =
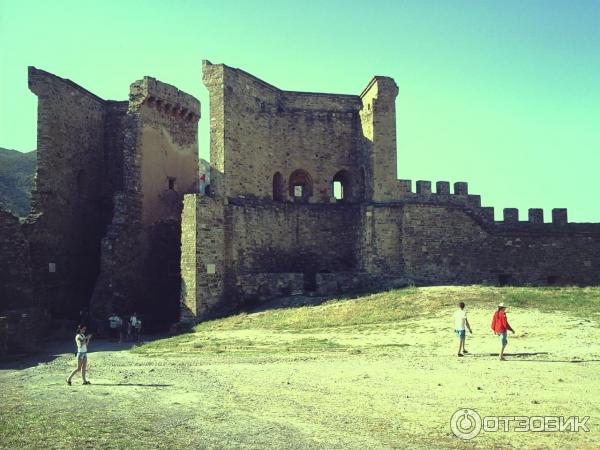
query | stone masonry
(104,227)
(302,197)
(275,226)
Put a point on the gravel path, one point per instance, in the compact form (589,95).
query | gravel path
(383,386)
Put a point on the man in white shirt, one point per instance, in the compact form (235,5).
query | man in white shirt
(135,326)
(460,322)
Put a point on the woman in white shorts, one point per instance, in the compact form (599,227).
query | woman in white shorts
(82,342)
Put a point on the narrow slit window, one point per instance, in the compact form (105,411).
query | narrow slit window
(338,190)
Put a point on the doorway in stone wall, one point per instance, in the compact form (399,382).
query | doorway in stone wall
(159,306)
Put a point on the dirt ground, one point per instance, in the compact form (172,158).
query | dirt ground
(390,385)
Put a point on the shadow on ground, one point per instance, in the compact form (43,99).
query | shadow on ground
(519,357)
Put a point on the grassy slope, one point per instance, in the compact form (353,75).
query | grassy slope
(384,308)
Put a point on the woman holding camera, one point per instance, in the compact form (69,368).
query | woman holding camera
(82,342)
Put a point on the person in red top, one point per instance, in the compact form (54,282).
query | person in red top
(500,326)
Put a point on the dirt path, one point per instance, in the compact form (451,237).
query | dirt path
(392,385)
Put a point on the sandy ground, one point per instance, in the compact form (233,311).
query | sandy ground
(382,386)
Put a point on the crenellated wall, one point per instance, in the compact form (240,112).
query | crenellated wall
(254,239)
(448,245)
(111,220)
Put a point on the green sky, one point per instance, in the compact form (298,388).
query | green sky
(504,95)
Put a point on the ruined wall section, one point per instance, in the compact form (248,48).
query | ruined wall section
(378,138)
(141,250)
(69,204)
(167,147)
(244,251)
(258,130)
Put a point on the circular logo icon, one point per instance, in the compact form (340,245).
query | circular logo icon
(465,423)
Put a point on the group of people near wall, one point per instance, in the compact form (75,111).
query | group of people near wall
(119,330)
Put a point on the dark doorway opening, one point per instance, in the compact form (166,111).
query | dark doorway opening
(160,303)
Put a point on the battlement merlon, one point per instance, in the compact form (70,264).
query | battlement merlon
(535,215)
(559,216)
(164,97)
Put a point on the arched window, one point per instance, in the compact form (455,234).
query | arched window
(301,185)
(278,192)
(341,187)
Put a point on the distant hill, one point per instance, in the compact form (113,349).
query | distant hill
(16,179)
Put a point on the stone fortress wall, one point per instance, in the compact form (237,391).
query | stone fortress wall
(140,253)
(303,198)
(257,237)
(103,231)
